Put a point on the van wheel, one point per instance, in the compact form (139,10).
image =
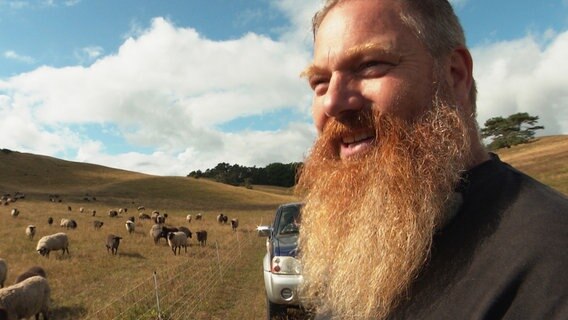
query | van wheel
(275,311)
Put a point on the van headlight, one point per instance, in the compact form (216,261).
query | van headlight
(286,265)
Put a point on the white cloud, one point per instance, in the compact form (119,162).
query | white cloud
(88,54)
(167,89)
(18,57)
(525,75)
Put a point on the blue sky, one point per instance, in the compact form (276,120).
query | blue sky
(167,87)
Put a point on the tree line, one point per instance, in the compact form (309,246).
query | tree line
(274,174)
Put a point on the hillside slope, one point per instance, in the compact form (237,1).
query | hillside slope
(545,159)
(39,176)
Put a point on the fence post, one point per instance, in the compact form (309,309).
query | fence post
(157,297)
(218,260)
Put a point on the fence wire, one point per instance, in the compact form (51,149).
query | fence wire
(178,292)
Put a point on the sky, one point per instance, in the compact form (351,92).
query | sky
(168,87)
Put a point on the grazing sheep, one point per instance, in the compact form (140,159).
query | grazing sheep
(198,216)
(3,272)
(132,218)
(81,209)
(141,208)
(112,243)
(155,232)
(97,224)
(202,237)
(68,223)
(94,213)
(166,230)
(186,231)
(50,220)
(31,231)
(112,213)
(122,210)
(33,271)
(143,216)
(177,240)
(15,212)
(25,299)
(130,227)
(58,241)
(234,224)
(188,218)
(220,218)
(69,208)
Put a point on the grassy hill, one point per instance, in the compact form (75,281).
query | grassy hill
(39,176)
(545,159)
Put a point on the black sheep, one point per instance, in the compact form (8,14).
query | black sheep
(112,243)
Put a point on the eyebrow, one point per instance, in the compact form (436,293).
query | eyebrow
(351,54)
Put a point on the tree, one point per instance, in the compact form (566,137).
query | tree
(516,129)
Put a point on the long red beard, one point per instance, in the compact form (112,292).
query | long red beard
(368,222)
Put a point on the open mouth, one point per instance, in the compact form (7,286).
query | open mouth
(356,144)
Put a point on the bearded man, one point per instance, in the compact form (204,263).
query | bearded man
(406,215)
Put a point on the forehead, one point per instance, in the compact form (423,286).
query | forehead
(356,23)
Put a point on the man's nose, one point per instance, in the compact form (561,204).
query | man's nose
(342,96)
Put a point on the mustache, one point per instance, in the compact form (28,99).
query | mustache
(350,122)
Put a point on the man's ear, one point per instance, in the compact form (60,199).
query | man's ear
(461,74)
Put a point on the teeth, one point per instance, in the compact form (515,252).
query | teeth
(358,137)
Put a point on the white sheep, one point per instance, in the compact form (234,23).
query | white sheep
(188,218)
(68,223)
(15,212)
(27,298)
(3,272)
(31,231)
(155,232)
(58,241)
(81,209)
(177,240)
(130,226)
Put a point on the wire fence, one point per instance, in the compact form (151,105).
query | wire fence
(183,291)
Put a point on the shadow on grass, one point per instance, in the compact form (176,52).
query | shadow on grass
(132,255)
(72,312)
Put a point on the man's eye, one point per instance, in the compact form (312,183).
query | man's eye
(374,68)
(318,83)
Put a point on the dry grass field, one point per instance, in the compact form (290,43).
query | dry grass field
(222,280)
(90,281)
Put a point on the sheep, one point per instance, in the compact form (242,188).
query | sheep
(143,216)
(185,230)
(81,209)
(69,208)
(15,212)
(94,213)
(234,224)
(130,227)
(97,224)
(177,240)
(3,272)
(202,237)
(68,223)
(225,219)
(112,213)
(58,241)
(50,220)
(188,218)
(220,218)
(141,208)
(25,299)
(33,271)
(112,243)
(155,232)
(166,230)
(132,218)
(198,216)
(31,231)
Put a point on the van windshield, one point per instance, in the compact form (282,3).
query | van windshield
(289,221)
